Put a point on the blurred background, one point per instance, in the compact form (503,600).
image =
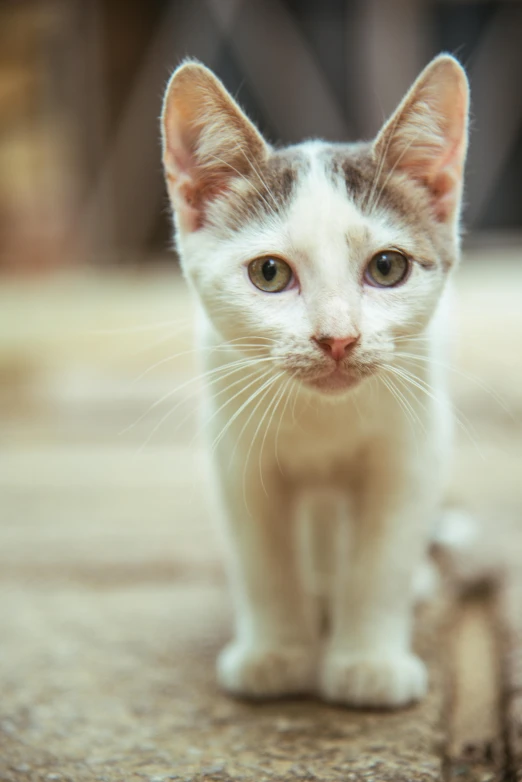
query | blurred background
(81,86)
(104,531)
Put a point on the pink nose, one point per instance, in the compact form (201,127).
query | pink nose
(336,347)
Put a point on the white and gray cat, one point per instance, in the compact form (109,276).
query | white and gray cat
(321,270)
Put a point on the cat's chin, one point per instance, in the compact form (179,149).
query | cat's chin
(334,384)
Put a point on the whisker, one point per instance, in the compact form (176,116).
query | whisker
(245,425)
(414,414)
(263,339)
(260,402)
(479,383)
(138,329)
(358,409)
(241,390)
(401,401)
(294,421)
(414,338)
(163,361)
(227,389)
(228,369)
(172,410)
(460,418)
(196,350)
(281,418)
(277,399)
(238,412)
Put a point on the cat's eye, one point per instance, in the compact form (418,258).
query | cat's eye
(270,274)
(386,269)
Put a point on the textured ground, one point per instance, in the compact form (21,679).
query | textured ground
(112,597)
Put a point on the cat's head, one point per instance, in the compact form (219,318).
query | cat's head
(326,256)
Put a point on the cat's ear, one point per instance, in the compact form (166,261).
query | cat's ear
(207,141)
(427,136)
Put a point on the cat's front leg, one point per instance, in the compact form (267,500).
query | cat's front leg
(274,651)
(369,661)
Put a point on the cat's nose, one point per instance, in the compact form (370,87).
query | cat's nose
(337,347)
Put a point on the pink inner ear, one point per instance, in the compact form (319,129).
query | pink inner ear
(190,195)
(185,190)
(205,134)
(184,199)
(440,171)
(445,182)
(179,156)
(191,185)
(444,188)
(428,134)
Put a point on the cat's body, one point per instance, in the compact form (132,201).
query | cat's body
(325,395)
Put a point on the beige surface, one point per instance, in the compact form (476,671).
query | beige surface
(112,596)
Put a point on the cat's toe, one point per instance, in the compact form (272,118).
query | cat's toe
(257,672)
(383,682)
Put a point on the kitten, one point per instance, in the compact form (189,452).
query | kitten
(321,271)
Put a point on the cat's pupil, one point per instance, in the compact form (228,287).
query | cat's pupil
(384,265)
(269,269)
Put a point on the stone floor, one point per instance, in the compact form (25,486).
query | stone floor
(113,602)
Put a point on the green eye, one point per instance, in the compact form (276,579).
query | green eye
(386,269)
(270,274)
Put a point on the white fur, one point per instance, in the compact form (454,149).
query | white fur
(361,445)
(328,494)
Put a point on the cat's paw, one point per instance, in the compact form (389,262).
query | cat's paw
(260,672)
(378,682)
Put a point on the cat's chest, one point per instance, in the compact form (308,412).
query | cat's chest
(317,443)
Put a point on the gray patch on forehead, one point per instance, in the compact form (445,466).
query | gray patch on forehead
(352,165)
(266,191)
(283,170)
(372,187)
(369,185)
